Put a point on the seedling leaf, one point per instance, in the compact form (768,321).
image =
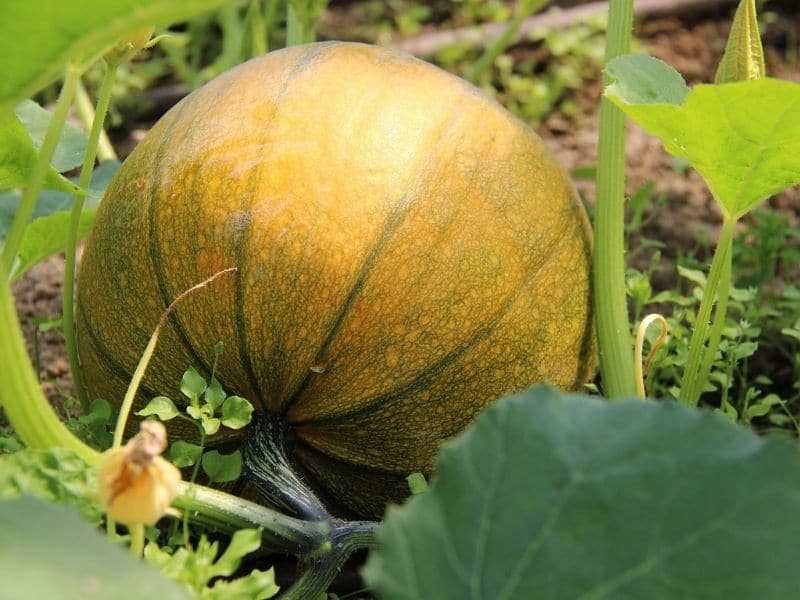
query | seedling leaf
(192,384)
(214,394)
(236,412)
(555,496)
(162,407)
(210,424)
(222,467)
(183,454)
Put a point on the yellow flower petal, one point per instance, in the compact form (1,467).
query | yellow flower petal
(136,487)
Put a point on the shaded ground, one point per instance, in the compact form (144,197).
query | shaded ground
(692,48)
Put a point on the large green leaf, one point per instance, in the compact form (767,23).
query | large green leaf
(46,551)
(554,496)
(46,236)
(71,144)
(18,156)
(47,233)
(743,137)
(41,36)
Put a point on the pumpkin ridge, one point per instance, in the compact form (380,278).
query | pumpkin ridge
(309,446)
(315,466)
(307,60)
(587,343)
(238,319)
(156,256)
(393,222)
(424,377)
(112,365)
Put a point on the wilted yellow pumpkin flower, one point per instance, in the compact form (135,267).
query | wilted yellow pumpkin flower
(136,484)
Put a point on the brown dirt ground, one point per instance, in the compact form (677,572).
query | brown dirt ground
(693,49)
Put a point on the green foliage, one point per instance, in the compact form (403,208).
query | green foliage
(71,145)
(160,406)
(96,425)
(751,379)
(18,156)
(534,88)
(9,442)
(84,31)
(200,568)
(47,233)
(743,138)
(549,495)
(220,467)
(236,412)
(208,409)
(56,475)
(184,454)
(51,553)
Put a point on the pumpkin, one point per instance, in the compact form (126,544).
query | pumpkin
(407,253)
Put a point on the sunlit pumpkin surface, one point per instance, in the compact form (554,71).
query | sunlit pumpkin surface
(407,253)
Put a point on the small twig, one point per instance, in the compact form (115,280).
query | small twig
(138,374)
(428,44)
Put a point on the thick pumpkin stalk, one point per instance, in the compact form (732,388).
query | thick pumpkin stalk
(613,325)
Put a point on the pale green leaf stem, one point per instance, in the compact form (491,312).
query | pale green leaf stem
(68,298)
(613,325)
(701,357)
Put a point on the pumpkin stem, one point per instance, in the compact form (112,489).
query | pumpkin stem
(266,465)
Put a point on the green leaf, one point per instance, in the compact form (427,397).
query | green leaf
(162,407)
(242,543)
(210,424)
(693,275)
(192,384)
(555,496)
(744,56)
(236,412)
(417,483)
(18,157)
(56,475)
(214,394)
(41,37)
(46,236)
(743,138)
(642,79)
(99,412)
(195,567)
(222,467)
(71,145)
(183,454)
(256,585)
(50,202)
(53,554)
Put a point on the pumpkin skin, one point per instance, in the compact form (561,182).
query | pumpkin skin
(407,253)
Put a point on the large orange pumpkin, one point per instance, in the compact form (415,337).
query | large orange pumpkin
(407,253)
